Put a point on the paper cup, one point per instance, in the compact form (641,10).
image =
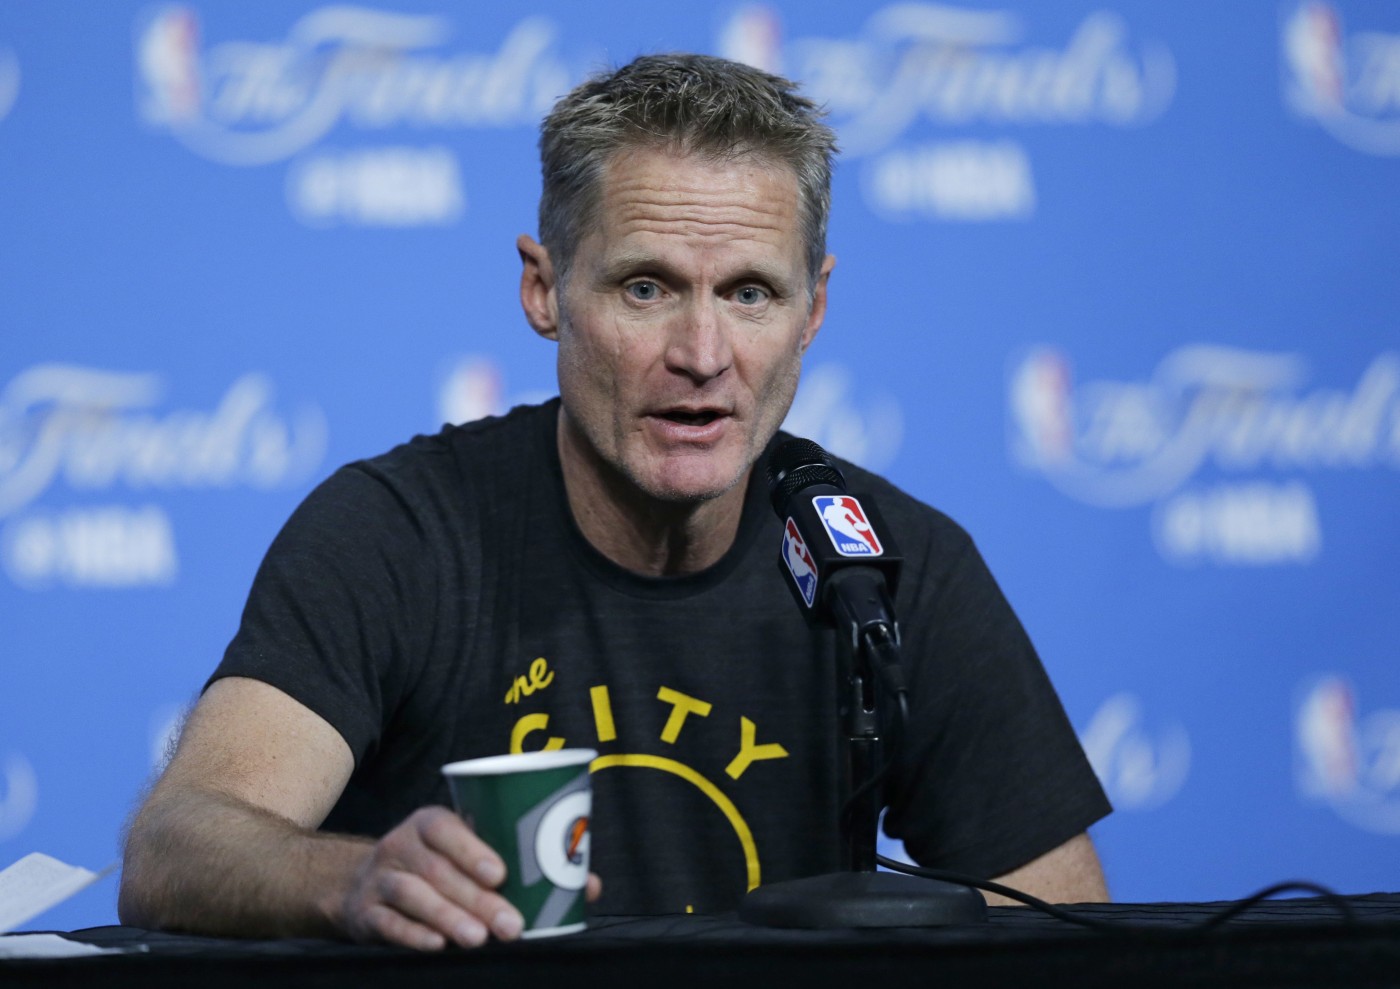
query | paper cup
(533,809)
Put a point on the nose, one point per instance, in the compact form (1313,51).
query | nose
(699,346)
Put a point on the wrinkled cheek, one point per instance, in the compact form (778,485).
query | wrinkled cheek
(591,387)
(781,390)
(583,373)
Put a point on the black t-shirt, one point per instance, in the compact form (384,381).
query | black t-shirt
(439,603)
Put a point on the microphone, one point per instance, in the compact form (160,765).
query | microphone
(839,558)
(842,567)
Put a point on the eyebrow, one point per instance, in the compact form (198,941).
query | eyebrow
(635,262)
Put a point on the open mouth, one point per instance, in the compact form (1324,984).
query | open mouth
(690,418)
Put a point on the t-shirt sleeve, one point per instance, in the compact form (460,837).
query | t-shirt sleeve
(992,774)
(334,608)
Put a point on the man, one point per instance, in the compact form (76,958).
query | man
(601,571)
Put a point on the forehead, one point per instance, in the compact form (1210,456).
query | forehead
(657,194)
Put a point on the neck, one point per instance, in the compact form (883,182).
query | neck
(646,535)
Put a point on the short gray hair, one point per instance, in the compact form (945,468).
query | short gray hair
(695,104)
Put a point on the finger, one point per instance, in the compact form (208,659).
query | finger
(413,847)
(416,899)
(594,889)
(492,909)
(393,927)
(448,835)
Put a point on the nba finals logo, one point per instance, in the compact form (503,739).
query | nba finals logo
(845,522)
(1219,441)
(245,102)
(904,86)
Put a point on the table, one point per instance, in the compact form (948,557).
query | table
(1293,942)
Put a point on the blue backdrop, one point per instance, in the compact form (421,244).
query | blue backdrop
(1116,289)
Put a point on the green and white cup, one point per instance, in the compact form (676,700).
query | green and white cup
(533,809)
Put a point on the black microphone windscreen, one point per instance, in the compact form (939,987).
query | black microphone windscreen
(798,464)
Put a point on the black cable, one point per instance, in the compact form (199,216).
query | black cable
(1334,899)
(883,648)
(1331,896)
(885,651)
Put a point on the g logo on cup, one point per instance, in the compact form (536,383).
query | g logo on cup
(553,839)
(561,842)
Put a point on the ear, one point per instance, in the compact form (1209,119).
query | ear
(538,295)
(818,311)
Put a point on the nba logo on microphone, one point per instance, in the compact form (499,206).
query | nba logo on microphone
(845,523)
(799,563)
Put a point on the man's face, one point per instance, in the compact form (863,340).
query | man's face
(684,320)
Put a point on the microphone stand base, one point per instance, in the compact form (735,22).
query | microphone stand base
(862,899)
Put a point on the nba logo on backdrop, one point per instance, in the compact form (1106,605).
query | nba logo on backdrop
(754,35)
(1347,761)
(799,562)
(1040,400)
(845,523)
(9,81)
(1313,46)
(167,54)
(1349,86)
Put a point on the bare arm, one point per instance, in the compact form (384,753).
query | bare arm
(226,841)
(1068,874)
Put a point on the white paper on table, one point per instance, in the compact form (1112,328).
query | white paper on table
(50,946)
(37,882)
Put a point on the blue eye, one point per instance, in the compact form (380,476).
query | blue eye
(644,291)
(750,295)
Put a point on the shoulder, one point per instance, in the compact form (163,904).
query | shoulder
(459,451)
(475,459)
(413,492)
